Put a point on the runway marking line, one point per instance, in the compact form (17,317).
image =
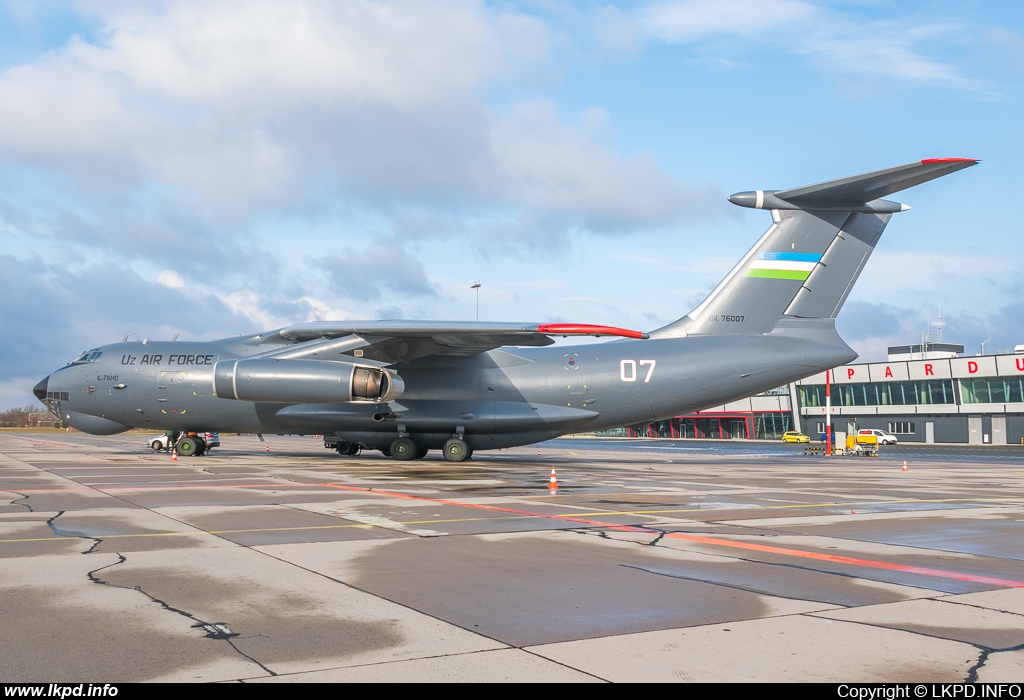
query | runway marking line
(719,542)
(712,541)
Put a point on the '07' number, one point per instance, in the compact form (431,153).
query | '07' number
(627,370)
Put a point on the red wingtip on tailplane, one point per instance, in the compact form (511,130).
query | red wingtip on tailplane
(588,329)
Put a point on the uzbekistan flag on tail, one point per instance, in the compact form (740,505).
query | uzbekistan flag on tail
(783,266)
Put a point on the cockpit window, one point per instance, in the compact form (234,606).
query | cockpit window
(87,356)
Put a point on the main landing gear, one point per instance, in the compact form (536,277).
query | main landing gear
(405,449)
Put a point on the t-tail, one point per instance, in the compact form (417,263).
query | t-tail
(806,263)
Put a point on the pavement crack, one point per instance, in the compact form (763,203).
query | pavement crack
(52,526)
(213,630)
(21,497)
(76,535)
(738,587)
(978,607)
(656,540)
(121,559)
(972,672)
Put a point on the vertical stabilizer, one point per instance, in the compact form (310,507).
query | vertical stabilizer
(807,262)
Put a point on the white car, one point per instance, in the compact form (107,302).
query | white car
(884,438)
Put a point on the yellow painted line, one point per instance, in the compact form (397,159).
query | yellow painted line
(386,526)
(407,523)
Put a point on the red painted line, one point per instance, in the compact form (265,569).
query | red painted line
(712,541)
(855,561)
(718,542)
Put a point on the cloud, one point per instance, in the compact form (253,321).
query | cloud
(841,42)
(170,279)
(237,110)
(52,313)
(368,275)
(690,20)
(552,166)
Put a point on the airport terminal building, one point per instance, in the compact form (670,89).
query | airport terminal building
(930,394)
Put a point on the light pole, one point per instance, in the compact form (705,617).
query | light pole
(476,286)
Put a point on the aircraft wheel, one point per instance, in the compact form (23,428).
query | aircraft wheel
(347,449)
(188,446)
(403,449)
(456,450)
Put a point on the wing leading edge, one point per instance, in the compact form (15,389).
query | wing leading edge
(398,341)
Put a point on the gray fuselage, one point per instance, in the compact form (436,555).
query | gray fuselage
(501,398)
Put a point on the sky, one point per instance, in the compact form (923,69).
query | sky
(213,169)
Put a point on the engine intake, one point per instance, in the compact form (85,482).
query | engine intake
(304,381)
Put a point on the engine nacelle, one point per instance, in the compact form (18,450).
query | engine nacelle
(304,381)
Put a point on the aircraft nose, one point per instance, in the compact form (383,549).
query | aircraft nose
(40,389)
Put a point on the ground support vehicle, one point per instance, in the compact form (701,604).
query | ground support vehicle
(862,445)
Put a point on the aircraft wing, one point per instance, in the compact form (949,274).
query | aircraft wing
(398,341)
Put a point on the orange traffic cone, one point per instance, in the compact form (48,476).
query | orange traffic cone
(553,482)
(268,447)
(904,465)
(174,454)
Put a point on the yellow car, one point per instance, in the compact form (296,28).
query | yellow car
(794,436)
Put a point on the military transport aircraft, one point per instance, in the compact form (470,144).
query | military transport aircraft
(406,387)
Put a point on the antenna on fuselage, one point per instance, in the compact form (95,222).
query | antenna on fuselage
(175,337)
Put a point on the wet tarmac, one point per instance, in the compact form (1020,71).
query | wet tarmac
(653,561)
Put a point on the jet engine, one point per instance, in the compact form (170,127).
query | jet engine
(304,381)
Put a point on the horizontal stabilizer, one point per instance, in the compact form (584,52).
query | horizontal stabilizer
(860,193)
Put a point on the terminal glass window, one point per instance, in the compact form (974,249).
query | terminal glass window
(709,428)
(770,426)
(992,390)
(932,391)
(902,428)
(687,429)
